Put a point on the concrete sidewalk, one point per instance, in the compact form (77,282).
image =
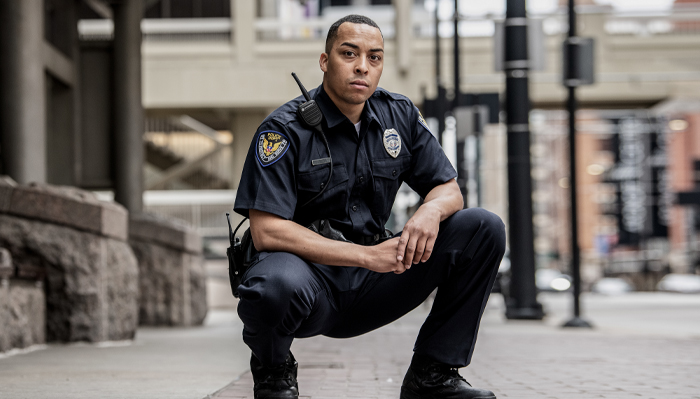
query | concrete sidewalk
(643,346)
(161,363)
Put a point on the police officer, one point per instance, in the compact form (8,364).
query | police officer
(302,284)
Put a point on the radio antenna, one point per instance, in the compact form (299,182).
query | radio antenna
(301,86)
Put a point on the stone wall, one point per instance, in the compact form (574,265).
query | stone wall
(22,309)
(22,314)
(172,278)
(77,245)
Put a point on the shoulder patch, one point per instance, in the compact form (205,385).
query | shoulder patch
(422,121)
(271,146)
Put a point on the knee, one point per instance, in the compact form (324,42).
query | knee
(489,225)
(271,286)
(275,277)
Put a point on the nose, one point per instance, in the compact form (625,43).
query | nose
(361,66)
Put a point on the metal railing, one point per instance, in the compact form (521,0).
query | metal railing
(186,154)
(164,30)
(203,210)
(676,20)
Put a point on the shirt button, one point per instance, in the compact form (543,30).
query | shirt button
(362,179)
(354,208)
(323,185)
(393,172)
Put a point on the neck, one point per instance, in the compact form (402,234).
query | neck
(352,111)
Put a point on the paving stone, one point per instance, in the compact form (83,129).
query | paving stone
(515,360)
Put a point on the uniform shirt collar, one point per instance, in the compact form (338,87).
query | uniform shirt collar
(333,115)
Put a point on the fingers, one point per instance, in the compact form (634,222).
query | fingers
(401,250)
(430,244)
(418,247)
(410,250)
(398,268)
(424,247)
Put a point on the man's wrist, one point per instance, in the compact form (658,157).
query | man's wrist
(365,256)
(435,209)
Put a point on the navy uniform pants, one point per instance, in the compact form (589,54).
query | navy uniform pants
(285,297)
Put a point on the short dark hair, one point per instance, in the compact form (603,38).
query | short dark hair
(353,19)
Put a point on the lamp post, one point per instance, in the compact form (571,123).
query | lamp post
(572,80)
(522,301)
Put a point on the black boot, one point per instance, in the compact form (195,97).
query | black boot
(278,382)
(432,380)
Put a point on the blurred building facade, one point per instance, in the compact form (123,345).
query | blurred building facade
(642,61)
(212,70)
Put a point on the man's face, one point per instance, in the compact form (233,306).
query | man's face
(354,65)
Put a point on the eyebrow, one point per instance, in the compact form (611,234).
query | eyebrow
(355,46)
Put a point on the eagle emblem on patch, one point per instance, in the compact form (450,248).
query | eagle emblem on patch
(271,146)
(392,142)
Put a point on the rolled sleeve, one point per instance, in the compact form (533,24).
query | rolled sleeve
(267,182)
(430,166)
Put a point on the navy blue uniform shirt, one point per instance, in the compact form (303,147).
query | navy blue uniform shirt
(279,175)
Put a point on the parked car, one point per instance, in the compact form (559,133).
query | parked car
(677,282)
(552,280)
(612,286)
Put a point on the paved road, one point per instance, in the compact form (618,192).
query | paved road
(644,346)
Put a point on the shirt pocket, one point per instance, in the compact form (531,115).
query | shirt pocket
(311,183)
(387,175)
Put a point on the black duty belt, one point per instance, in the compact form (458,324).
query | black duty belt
(324,228)
(373,240)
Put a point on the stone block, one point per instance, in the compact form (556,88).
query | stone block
(171,272)
(7,186)
(6,268)
(198,290)
(91,280)
(22,314)
(67,206)
(164,231)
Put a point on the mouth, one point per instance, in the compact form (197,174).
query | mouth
(359,84)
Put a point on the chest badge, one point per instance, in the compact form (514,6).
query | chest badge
(392,142)
(271,146)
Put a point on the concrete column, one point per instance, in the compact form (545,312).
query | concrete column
(244,29)
(404,36)
(128,110)
(22,91)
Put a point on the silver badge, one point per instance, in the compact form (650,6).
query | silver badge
(392,142)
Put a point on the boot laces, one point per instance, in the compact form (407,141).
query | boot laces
(283,372)
(444,373)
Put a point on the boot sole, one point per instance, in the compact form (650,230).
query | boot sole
(408,394)
(276,397)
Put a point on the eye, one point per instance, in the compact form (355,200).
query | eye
(349,53)
(375,57)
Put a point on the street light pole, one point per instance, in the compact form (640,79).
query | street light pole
(572,80)
(522,301)
(455,102)
(440,96)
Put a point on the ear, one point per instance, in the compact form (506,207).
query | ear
(323,62)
